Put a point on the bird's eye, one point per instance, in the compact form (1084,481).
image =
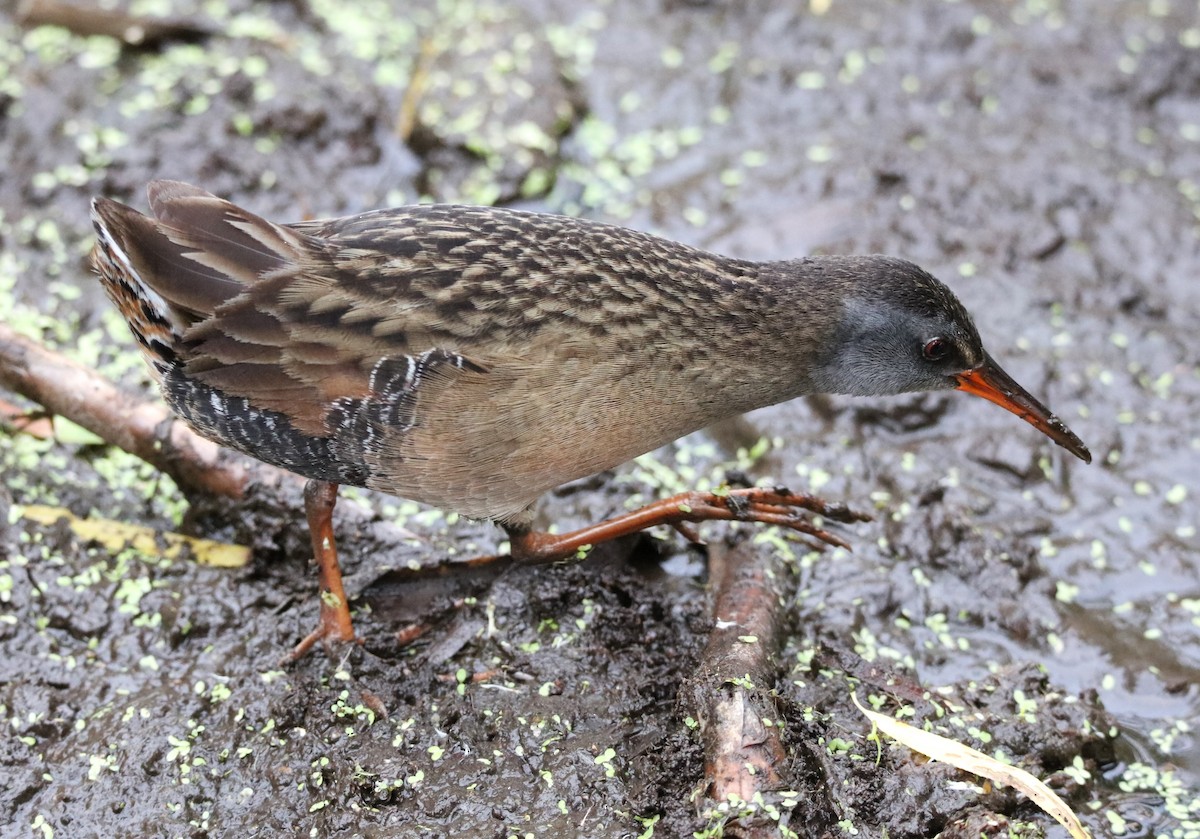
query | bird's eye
(936,349)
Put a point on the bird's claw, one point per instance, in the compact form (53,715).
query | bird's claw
(773,506)
(332,630)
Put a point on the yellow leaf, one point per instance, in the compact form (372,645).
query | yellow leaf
(116,536)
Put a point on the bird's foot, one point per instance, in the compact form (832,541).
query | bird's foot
(333,628)
(763,505)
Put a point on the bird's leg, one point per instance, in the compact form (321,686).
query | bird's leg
(763,505)
(319,500)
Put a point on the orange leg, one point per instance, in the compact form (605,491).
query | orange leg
(763,505)
(319,500)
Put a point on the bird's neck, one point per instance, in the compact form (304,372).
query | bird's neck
(787,301)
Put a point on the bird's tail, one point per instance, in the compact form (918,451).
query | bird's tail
(154,323)
(169,273)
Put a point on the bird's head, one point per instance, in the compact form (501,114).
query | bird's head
(900,330)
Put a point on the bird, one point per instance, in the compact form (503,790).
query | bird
(473,358)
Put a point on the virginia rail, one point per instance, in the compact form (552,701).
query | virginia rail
(473,358)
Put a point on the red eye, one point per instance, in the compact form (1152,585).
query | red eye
(936,349)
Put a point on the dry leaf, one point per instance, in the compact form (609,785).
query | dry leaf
(976,762)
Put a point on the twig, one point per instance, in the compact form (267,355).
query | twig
(145,429)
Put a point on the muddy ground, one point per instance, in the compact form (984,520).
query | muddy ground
(1042,157)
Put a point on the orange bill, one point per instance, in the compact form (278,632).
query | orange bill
(993,384)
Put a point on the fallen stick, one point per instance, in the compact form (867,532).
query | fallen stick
(742,744)
(92,19)
(145,429)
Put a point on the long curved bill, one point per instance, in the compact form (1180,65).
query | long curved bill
(993,384)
